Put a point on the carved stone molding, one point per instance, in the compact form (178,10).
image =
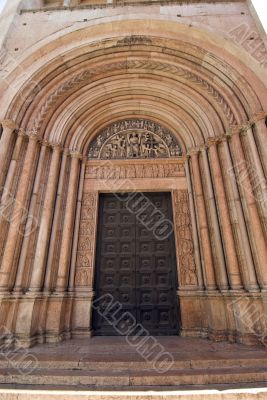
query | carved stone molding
(184,239)
(133,40)
(82,78)
(134,139)
(112,170)
(86,243)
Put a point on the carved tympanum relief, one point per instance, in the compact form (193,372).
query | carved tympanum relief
(137,138)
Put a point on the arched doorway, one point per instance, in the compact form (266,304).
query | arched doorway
(175,80)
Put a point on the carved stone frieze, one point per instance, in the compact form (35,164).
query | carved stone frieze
(135,138)
(184,238)
(111,170)
(85,253)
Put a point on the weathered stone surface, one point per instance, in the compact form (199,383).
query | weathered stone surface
(195,75)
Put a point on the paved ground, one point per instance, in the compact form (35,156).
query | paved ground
(117,349)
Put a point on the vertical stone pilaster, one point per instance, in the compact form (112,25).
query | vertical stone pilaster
(87,242)
(261,137)
(67,235)
(217,247)
(238,223)
(55,223)
(253,219)
(39,263)
(8,128)
(76,229)
(194,226)
(187,270)
(225,223)
(256,174)
(207,261)
(7,265)
(31,221)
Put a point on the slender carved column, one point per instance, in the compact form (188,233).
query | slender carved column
(220,271)
(17,214)
(67,236)
(194,226)
(225,223)
(207,261)
(76,229)
(5,140)
(256,174)
(6,199)
(45,223)
(55,223)
(253,220)
(237,219)
(31,221)
(261,137)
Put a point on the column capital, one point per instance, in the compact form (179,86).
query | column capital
(245,129)
(33,134)
(194,151)
(223,138)
(75,154)
(21,132)
(203,148)
(258,117)
(56,146)
(46,143)
(8,124)
(234,130)
(213,141)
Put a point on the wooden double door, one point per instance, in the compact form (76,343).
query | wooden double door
(136,264)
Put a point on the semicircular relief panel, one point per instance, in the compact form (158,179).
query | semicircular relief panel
(133,139)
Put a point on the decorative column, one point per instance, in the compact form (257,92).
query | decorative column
(221,276)
(39,262)
(7,265)
(194,226)
(260,127)
(8,128)
(237,219)
(207,262)
(31,221)
(256,173)
(253,220)
(55,223)
(76,229)
(67,235)
(224,216)
(7,199)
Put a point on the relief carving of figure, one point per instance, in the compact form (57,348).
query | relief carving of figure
(134,139)
(133,146)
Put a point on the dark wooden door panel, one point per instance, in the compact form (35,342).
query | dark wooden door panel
(135,264)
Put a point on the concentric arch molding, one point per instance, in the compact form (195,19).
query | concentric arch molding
(89,75)
(133,139)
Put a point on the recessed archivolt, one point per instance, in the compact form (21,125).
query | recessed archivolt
(221,88)
(85,76)
(110,100)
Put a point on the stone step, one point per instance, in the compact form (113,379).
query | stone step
(87,363)
(236,394)
(124,378)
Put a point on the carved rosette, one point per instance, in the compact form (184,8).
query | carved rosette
(86,243)
(134,139)
(184,239)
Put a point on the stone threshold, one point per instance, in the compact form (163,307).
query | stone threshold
(206,394)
